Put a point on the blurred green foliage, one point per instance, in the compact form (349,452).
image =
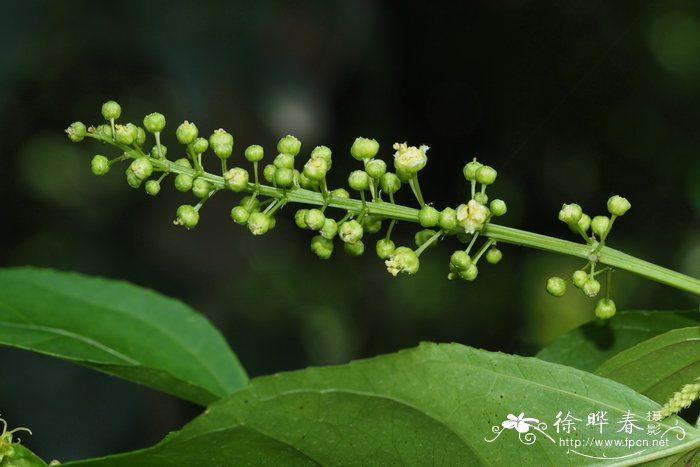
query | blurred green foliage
(572,101)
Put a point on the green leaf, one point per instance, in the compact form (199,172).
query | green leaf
(438,404)
(22,457)
(120,329)
(587,346)
(657,367)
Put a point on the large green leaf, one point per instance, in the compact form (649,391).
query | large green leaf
(657,367)
(120,329)
(432,405)
(587,346)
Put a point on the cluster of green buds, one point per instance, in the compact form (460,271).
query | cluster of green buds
(266,189)
(681,399)
(594,231)
(7,444)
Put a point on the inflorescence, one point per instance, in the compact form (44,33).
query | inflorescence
(585,277)
(373,207)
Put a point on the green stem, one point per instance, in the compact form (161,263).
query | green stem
(482,250)
(415,187)
(429,242)
(603,255)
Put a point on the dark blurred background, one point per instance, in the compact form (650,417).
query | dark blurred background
(569,100)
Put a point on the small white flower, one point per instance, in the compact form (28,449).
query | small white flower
(521,424)
(403,260)
(410,158)
(472,216)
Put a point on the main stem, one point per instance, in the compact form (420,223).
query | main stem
(605,255)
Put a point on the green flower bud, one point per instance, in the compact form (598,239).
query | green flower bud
(402,260)
(460,260)
(350,231)
(142,168)
(375,168)
(389,183)
(470,273)
(299,218)
(579,278)
(273,222)
(481,198)
(404,176)
(599,225)
(584,222)
(618,206)
(240,215)
(126,134)
(364,148)
(448,219)
(163,152)
(307,183)
(183,182)
(250,204)
(354,249)
(76,131)
(187,216)
(410,159)
(605,308)
(498,207)
(236,179)
(486,175)
(472,216)
(183,162)
(140,137)
(201,188)
(99,165)
(316,168)
(463,237)
(428,216)
(289,145)
(221,143)
(470,170)
(570,213)
(104,132)
(111,110)
(199,145)
(186,132)
(284,161)
(556,286)
(154,122)
(152,187)
(340,193)
(384,248)
(259,223)
(494,255)
(254,153)
(329,229)
(284,177)
(423,236)
(269,172)
(322,247)
(591,287)
(322,152)
(314,219)
(358,180)
(372,224)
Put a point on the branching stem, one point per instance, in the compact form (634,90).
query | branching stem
(596,253)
